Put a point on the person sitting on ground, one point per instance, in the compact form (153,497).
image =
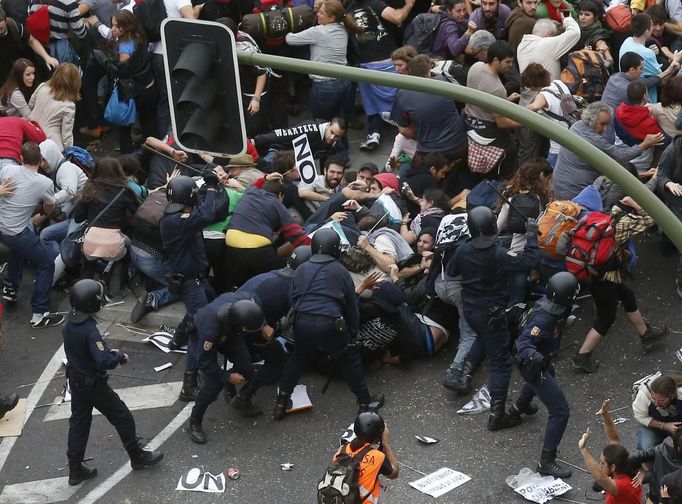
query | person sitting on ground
(658,410)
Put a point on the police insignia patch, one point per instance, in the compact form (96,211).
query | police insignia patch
(535,331)
(208,345)
(185,215)
(100,346)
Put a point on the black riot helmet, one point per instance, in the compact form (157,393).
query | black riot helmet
(326,241)
(369,427)
(562,288)
(482,227)
(243,316)
(180,191)
(300,255)
(86,299)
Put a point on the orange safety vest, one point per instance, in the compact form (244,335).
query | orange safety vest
(369,469)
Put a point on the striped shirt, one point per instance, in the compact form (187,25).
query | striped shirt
(65,18)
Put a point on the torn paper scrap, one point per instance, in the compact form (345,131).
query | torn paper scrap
(287,466)
(299,399)
(196,480)
(619,420)
(440,482)
(12,424)
(427,439)
(480,403)
(163,366)
(66,392)
(161,340)
(348,435)
(536,488)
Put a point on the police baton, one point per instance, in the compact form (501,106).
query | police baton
(177,163)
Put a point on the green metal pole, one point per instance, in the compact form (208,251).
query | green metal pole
(588,152)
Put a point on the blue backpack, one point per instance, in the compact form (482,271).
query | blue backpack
(81,158)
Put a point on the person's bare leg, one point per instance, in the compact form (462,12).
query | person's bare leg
(592,339)
(637,321)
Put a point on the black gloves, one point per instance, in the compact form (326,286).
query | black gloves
(211,179)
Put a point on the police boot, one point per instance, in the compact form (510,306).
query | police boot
(282,404)
(242,402)
(190,389)
(524,406)
(548,465)
(196,433)
(79,473)
(463,384)
(140,458)
(8,403)
(499,419)
(179,338)
(370,402)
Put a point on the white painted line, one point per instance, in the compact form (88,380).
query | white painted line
(161,395)
(125,469)
(43,491)
(36,392)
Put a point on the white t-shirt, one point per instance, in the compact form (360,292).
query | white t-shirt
(554,107)
(173,10)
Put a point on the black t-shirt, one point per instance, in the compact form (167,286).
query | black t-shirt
(12,46)
(375,43)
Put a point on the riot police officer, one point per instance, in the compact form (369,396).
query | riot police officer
(325,311)
(89,358)
(483,265)
(271,291)
(536,347)
(181,232)
(221,325)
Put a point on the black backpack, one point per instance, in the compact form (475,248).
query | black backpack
(529,205)
(339,485)
(150,14)
(422,30)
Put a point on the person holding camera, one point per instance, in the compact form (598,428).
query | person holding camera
(89,358)
(181,231)
(536,347)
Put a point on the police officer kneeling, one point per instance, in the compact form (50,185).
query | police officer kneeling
(536,347)
(89,358)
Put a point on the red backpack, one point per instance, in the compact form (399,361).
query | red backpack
(593,246)
(38,23)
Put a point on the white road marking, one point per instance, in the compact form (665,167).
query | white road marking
(36,392)
(125,469)
(161,395)
(42,491)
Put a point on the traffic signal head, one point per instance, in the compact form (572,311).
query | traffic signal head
(202,78)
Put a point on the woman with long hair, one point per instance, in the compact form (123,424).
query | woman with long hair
(433,206)
(105,238)
(668,109)
(16,92)
(53,104)
(328,43)
(126,59)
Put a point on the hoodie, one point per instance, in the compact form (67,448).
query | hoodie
(518,24)
(633,123)
(68,178)
(590,199)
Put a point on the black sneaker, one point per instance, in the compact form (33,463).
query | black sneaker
(48,320)
(9,293)
(651,336)
(143,306)
(451,378)
(584,363)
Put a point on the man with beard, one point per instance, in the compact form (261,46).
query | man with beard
(324,186)
(492,16)
(521,21)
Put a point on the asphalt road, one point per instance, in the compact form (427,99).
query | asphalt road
(416,405)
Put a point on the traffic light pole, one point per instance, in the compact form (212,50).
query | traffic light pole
(588,152)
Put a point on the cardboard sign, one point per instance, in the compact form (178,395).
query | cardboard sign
(197,480)
(440,482)
(305,161)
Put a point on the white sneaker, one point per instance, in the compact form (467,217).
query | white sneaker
(371,143)
(48,320)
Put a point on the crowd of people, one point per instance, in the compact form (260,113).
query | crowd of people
(475,230)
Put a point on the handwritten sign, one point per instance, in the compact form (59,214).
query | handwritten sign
(440,482)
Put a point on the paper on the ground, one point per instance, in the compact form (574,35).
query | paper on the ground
(536,488)
(679,355)
(440,482)
(478,404)
(299,399)
(619,420)
(66,392)
(161,340)
(286,466)
(427,439)
(12,424)
(163,366)
(197,480)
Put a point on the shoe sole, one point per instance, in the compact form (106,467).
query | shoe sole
(577,367)
(137,467)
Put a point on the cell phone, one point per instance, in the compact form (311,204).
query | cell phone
(566,13)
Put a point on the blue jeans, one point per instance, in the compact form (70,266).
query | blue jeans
(648,438)
(27,246)
(54,234)
(155,269)
(495,341)
(327,98)
(548,391)
(450,291)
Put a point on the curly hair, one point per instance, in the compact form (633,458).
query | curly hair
(527,178)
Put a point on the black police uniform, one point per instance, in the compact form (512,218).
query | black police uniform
(89,358)
(483,268)
(213,337)
(536,347)
(182,237)
(325,317)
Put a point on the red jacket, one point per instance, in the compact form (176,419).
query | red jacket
(636,121)
(14,131)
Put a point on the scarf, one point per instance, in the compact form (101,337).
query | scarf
(554,12)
